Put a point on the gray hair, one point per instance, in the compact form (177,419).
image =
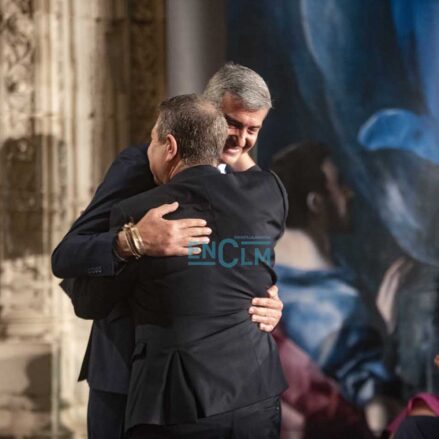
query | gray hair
(199,127)
(242,83)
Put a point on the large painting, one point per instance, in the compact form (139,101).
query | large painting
(361,77)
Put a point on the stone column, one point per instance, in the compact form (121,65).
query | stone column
(196,43)
(147,75)
(78,79)
(27,346)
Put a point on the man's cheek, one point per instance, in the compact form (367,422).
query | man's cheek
(230,159)
(249,146)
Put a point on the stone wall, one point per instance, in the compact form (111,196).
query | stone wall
(79,80)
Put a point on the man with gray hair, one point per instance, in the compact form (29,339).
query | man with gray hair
(234,79)
(245,100)
(91,249)
(200,368)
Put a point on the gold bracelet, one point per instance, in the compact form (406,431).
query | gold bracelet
(121,246)
(137,239)
(127,228)
(134,249)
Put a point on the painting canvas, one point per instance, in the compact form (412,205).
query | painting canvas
(362,77)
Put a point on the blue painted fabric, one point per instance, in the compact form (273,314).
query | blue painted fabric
(361,76)
(326,317)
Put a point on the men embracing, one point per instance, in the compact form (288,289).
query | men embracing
(116,290)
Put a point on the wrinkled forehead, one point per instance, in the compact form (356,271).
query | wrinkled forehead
(245,119)
(231,103)
(234,111)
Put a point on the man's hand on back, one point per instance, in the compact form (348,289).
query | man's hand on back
(162,237)
(267,311)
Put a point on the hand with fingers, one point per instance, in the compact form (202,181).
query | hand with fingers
(267,311)
(162,237)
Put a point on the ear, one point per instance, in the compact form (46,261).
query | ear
(171,148)
(315,202)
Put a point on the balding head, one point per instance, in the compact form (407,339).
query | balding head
(197,125)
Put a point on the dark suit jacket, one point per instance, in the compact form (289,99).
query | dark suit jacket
(197,352)
(87,250)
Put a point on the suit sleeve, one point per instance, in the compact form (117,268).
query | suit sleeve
(95,297)
(87,249)
(118,217)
